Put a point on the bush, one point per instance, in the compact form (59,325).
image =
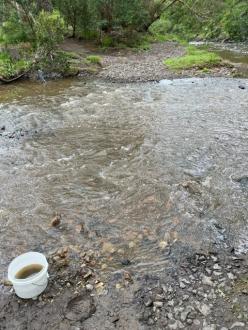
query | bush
(107,41)
(193,58)
(49,30)
(10,68)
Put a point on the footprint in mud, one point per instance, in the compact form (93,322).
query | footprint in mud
(80,308)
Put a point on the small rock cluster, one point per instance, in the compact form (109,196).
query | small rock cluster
(190,298)
(72,269)
(17,134)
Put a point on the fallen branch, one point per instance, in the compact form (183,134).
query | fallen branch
(7,81)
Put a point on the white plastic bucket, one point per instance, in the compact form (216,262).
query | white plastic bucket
(34,285)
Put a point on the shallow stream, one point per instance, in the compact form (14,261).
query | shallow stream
(149,171)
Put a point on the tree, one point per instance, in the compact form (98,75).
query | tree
(49,31)
(78,13)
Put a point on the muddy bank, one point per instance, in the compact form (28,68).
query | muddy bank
(149,182)
(206,291)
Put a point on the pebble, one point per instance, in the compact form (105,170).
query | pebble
(108,248)
(204,309)
(89,287)
(217,273)
(237,324)
(3,128)
(196,322)
(150,321)
(182,285)
(185,314)
(163,245)
(241,86)
(176,325)
(207,280)
(56,220)
(159,297)
(216,267)
(125,262)
(208,327)
(158,304)
(214,258)
(231,276)
(6,283)
(148,302)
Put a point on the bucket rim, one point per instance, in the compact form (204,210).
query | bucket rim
(34,278)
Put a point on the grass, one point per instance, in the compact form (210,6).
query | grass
(94,59)
(194,58)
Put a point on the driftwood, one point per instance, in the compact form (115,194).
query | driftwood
(8,81)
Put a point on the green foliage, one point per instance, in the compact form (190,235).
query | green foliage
(107,41)
(10,68)
(49,31)
(94,59)
(13,30)
(79,14)
(209,19)
(58,62)
(161,27)
(193,58)
(235,21)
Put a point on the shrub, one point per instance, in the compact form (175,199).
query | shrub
(49,30)
(10,68)
(107,41)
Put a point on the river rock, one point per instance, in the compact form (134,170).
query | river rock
(56,220)
(158,304)
(237,325)
(207,280)
(204,309)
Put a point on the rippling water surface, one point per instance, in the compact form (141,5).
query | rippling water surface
(153,169)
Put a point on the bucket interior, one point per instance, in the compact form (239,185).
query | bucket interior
(27,267)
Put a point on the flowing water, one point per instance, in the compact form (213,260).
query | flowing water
(148,170)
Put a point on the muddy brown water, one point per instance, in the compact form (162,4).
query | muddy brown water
(146,170)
